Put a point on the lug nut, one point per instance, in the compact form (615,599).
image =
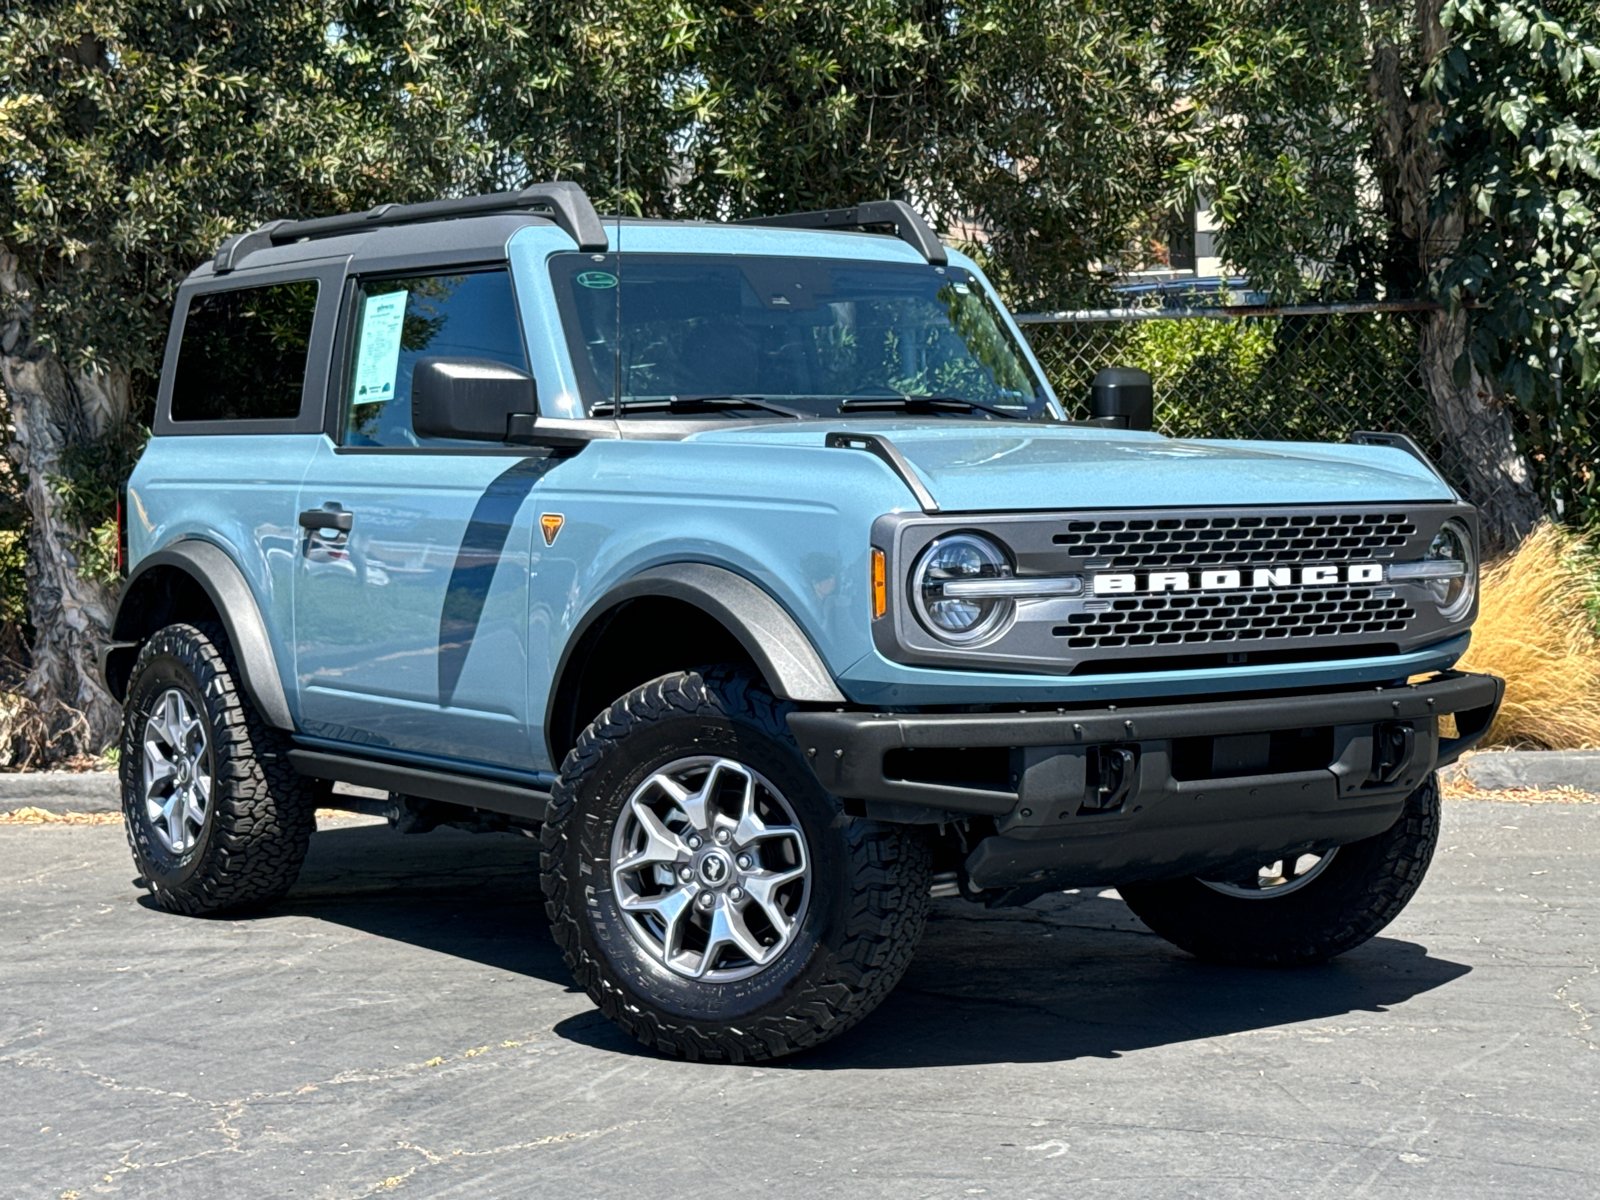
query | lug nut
(706,900)
(685,874)
(722,836)
(744,861)
(693,842)
(736,892)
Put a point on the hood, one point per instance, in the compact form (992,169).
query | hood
(982,466)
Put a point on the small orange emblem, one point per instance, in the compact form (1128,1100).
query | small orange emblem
(550,524)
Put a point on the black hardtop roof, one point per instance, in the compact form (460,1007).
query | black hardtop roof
(562,203)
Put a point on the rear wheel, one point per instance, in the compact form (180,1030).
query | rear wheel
(216,816)
(714,901)
(1308,906)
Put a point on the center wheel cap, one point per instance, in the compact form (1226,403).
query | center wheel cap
(715,869)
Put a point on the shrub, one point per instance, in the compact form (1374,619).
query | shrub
(1536,630)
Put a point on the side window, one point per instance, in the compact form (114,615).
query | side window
(243,354)
(397,321)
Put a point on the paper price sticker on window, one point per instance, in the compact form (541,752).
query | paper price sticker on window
(382,320)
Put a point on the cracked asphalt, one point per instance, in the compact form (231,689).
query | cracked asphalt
(403,1026)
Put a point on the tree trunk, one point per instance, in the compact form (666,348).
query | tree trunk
(52,408)
(1471,422)
(1474,428)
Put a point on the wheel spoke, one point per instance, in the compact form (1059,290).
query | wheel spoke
(170,724)
(661,845)
(693,804)
(188,723)
(194,809)
(172,817)
(158,768)
(728,929)
(670,907)
(763,888)
(706,817)
(755,831)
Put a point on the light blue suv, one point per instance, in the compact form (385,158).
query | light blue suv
(756,569)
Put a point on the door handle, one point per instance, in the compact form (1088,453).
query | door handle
(327,518)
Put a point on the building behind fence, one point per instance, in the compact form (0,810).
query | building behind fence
(1301,373)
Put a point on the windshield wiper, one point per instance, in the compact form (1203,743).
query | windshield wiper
(923,403)
(679,404)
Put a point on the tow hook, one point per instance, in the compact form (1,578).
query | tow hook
(1111,775)
(1394,746)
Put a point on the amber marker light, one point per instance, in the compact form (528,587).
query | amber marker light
(880,585)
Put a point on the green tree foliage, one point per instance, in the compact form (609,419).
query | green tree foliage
(1520,144)
(1041,121)
(1367,148)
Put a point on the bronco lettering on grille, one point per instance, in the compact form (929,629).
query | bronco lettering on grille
(1234,579)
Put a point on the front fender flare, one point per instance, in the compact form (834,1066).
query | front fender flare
(776,644)
(225,585)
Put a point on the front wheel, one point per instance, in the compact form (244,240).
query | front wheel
(1311,905)
(714,901)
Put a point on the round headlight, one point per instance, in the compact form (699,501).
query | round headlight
(1453,595)
(960,558)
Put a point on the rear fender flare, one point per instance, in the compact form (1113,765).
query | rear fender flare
(225,584)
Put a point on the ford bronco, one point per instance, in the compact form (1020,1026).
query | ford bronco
(757,571)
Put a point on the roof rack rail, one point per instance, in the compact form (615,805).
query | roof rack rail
(908,224)
(567,205)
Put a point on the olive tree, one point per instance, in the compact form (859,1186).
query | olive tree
(133,137)
(1405,147)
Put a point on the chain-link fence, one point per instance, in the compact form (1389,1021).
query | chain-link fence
(1303,373)
(1300,373)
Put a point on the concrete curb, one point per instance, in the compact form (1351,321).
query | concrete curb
(61,791)
(96,791)
(1541,770)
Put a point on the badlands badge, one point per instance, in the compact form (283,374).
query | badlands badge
(550,524)
(1235,579)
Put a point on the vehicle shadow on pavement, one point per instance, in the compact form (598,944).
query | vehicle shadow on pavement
(1083,980)
(1075,975)
(473,896)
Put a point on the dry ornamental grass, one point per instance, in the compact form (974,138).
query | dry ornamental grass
(1537,630)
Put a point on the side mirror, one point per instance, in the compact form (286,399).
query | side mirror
(468,398)
(1123,396)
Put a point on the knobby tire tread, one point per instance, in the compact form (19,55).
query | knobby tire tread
(1377,879)
(891,868)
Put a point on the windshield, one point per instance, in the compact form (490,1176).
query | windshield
(814,336)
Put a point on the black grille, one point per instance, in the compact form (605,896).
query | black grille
(1151,543)
(1224,617)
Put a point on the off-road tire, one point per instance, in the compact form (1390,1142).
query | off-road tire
(1363,888)
(868,900)
(262,813)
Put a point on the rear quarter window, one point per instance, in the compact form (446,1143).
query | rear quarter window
(243,353)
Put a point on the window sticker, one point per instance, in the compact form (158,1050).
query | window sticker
(379,359)
(597,279)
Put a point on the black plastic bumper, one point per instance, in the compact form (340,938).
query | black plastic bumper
(1118,793)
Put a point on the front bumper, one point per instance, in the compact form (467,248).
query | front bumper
(1112,794)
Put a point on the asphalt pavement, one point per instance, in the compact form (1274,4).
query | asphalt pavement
(404,1026)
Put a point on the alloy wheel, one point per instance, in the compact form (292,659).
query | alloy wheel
(1272,880)
(710,868)
(177,773)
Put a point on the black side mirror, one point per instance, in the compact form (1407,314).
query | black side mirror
(1123,396)
(468,398)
